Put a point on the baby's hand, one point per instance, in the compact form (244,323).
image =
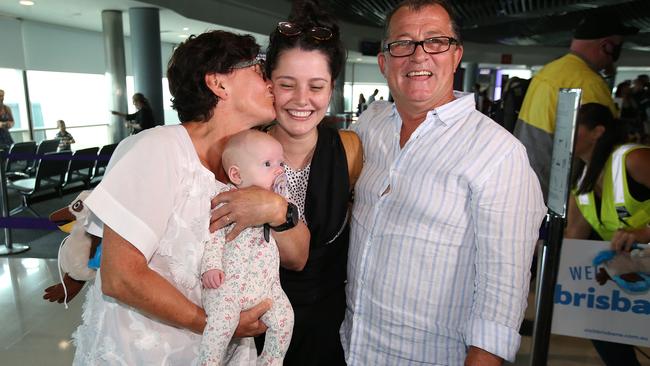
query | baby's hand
(213,278)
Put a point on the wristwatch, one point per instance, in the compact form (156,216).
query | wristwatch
(291,221)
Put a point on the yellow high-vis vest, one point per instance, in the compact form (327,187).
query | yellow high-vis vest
(619,210)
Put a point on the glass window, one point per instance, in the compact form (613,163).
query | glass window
(520,73)
(352,91)
(347,97)
(130,90)
(12,83)
(78,99)
(171,116)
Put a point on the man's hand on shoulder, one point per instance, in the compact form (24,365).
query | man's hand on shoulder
(480,357)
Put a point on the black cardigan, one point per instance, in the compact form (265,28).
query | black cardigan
(326,207)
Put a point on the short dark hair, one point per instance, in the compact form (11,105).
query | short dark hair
(306,14)
(417,5)
(211,52)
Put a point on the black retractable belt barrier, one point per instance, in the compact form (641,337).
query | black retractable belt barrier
(9,247)
(558,195)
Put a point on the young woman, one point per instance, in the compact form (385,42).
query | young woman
(303,60)
(611,199)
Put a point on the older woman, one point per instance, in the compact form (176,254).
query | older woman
(154,207)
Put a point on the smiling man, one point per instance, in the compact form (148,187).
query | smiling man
(446,212)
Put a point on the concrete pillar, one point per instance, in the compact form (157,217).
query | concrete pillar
(337,104)
(115,71)
(494,74)
(471,75)
(146,58)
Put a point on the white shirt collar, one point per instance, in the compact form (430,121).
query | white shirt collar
(463,104)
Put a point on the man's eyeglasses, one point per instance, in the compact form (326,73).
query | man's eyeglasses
(292,29)
(431,45)
(258,62)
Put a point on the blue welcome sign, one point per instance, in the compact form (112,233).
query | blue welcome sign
(588,303)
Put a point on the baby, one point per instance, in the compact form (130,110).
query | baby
(240,274)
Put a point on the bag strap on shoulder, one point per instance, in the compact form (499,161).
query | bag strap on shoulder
(353,154)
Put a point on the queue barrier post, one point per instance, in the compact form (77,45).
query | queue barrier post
(9,246)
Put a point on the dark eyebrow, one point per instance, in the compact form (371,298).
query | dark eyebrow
(427,34)
(294,79)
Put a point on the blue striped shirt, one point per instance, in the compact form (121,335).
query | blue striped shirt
(442,260)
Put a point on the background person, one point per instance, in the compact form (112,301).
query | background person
(143,308)
(641,95)
(373,96)
(6,122)
(629,111)
(64,137)
(446,214)
(361,106)
(594,212)
(595,47)
(304,58)
(143,118)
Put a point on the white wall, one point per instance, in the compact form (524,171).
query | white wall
(12,44)
(48,47)
(363,73)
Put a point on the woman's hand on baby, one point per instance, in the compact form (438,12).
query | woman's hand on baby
(213,278)
(250,324)
(246,207)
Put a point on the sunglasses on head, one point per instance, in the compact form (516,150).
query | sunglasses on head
(290,29)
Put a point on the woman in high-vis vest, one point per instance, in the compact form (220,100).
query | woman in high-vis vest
(611,196)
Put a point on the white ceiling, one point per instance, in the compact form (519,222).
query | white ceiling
(86,14)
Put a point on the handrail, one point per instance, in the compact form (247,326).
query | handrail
(56,128)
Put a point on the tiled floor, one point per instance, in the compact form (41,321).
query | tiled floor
(568,351)
(36,332)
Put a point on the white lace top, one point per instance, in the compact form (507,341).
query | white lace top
(156,194)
